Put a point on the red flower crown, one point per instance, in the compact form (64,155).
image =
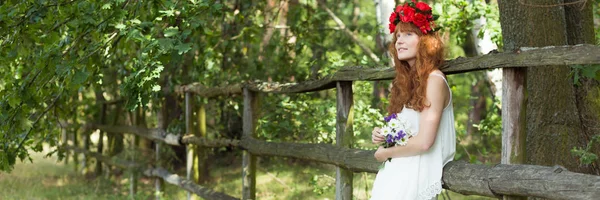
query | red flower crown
(418,13)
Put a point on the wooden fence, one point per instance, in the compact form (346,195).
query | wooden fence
(492,181)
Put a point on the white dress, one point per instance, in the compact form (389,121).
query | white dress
(418,177)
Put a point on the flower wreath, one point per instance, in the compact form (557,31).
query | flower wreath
(418,13)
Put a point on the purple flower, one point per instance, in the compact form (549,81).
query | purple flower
(389,139)
(400,135)
(390,117)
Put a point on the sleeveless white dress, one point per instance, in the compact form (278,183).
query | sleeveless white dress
(418,177)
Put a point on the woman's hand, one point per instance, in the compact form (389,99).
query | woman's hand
(376,136)
(380,154)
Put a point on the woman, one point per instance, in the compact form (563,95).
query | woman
(421,96)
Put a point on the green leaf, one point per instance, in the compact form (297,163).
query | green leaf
(186,32)
(165,43)
(135,21)
(106,6)
(171,31)
(183,48)
(168,13)
(25,123)
(80,77)
(156,88)
(591,71)
(62,69)
(120,26)
(14,101)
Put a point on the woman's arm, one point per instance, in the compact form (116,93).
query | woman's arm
(437,94)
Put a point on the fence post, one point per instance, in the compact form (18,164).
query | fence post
(189,148)
(344,135)
(201,153)
(514,99)
(249,160)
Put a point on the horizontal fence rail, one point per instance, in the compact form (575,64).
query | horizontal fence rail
(582,54)
(458,176)
(520,180)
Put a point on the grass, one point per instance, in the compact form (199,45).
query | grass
(277,178)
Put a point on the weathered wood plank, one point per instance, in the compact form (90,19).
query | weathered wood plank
(155,134)
(353,159)
(307,86)
(201,90)
(187,184)
(520,180)
(524,57)
(213,143)
(249,160)
(513,118)
(344,136)
(582,54)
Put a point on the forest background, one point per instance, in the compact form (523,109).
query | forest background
(60,60)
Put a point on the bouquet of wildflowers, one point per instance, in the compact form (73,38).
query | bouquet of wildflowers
(396,131)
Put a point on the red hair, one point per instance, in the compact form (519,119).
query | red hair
(410,83)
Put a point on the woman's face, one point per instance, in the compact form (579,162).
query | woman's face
(407,45)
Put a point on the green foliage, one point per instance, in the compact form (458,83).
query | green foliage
(457,17)
(288,121)
(54,53)
(584,71)
(478,142)
(322,184)
(586,155)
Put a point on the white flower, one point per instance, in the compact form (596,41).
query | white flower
(395,124)
(402,141)
(386,130)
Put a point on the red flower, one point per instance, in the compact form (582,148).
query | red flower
(393,17)
(407,14)
(420,20)
(423,7)
(399,8)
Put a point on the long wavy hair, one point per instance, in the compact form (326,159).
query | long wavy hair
(408,87)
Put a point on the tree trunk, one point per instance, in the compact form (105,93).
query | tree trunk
(102,120)
(552,117)
(383,8)
(270,30)
(580,26)
(115,141)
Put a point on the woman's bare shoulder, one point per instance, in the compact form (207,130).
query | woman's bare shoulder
(438,72)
